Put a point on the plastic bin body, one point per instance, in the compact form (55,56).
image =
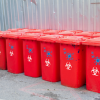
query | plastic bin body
(14,55)
(50,61)
(3,63)
(32,58)
(72,65)
(93,68)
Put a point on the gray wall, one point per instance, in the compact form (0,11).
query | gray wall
(50,14)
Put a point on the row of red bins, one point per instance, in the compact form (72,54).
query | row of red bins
(71,57)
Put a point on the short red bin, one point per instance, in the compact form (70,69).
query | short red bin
(50,58)
(31,55)
(14,50)
(93,64)
(3,63)
(72,61)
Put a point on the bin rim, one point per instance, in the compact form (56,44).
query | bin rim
(36,31)
(30,36)
(14,35)
(92,42)
(66,33)
(1,34)
(50,38)
(79,31)
(13,30)
(51,32)
(96,35)
(87,34)
(72,40)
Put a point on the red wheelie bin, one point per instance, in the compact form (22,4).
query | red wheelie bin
(14,50)
(3,63)
(31,54)
(93,64)
(50,57)
(72,61)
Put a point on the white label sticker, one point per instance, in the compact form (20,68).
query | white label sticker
(68,66)
(29,58)
(95,71)
(11,53)
(47,62)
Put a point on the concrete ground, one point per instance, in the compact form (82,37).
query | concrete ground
(21,87)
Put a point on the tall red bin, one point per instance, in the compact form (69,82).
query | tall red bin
(14,50)
(3,63)
(93,64)
(50,58)
(72,62)
(31,55)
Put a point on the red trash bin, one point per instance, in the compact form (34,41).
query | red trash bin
(93,64)
(14,50)
(50,58)
(31,55)
(72,61)
(3,63)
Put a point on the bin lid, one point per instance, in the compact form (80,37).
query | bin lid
(92,42)
(76,31)
(23,30)
(13,30)
(50,38)
(96,35)
(51,32)
(37,31)
(29,36)
(13,35)
(79,31)
(31,32)
(1,34)
(86,34)
(94,32)
(66,33)
(19,28)
(73,40)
